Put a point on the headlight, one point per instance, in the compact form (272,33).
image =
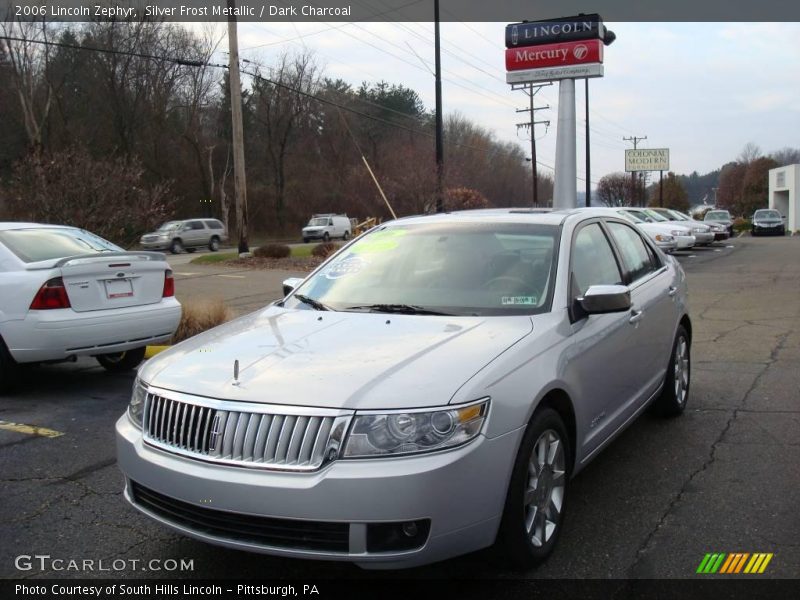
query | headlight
(401,433)
(679,232)
(662,237)
(136,406)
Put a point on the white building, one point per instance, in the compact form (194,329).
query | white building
(784,194)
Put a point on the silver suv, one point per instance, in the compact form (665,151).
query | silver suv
(189,234)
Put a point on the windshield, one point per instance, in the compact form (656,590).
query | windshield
(33,245)
(631,217)
(654,215)
(678,216)
(767,214)
(444,268)
(169,225)
(718,215)
(318,222)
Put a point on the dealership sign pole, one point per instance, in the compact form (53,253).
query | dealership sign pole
(560,50)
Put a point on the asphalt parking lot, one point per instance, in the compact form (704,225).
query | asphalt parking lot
(724,477)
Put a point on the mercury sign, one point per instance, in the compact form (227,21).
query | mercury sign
(647,159)
(554,55)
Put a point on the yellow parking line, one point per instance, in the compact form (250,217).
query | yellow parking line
(30,429)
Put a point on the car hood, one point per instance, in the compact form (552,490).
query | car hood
(768,221)
(336,359)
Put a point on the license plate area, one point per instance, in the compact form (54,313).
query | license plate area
(118,288)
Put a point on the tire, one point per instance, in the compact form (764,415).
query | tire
(528,533)
(213,245)
(326,238)
(118,362)
(191,250)
(305,240)
(176,246)
(9,370)
(675,394)
(346,236)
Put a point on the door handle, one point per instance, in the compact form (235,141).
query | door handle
(672,291)
(636,316)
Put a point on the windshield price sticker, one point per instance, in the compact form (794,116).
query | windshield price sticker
(349,266)
(380,241)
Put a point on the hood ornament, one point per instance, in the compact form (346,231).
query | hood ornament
(236,372)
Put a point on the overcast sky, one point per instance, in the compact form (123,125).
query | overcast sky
(703,90)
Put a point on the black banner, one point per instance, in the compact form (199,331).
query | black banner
(568,29)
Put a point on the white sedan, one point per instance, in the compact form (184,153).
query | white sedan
(65,292)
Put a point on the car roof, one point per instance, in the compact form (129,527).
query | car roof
(543,216)
(9,225)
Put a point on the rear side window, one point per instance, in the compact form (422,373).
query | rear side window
(213,224)
(33,245)
(196,225)
(635,252)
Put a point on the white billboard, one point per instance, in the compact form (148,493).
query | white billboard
(555,73)
(647,159)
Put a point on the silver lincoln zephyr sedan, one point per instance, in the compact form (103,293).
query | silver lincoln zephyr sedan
(428,391)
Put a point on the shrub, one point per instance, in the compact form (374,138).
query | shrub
(200,315)
(324,250)
(741,224)
(273,251)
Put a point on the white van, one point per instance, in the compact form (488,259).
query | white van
(327,226)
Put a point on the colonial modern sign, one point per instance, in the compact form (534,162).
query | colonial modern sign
(647,159)
(554,55)
(582,27)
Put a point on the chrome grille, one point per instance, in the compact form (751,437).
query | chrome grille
(269,437)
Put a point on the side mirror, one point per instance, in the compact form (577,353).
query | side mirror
(290,284)
(601,299)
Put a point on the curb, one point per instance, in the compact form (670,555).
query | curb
(151,351)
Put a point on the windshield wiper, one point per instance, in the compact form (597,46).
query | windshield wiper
(406,309)
(315,304)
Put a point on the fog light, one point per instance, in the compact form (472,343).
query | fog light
(397,537)
(410,529)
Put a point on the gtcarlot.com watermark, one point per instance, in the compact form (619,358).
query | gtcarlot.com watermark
(46,562)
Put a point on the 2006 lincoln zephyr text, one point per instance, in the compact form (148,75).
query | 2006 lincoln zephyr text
(428,391)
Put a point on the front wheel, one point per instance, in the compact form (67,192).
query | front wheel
(534,510)
(117,362)
(176,247)
(326,237)
(676,383)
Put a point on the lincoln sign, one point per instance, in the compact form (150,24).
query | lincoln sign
(582,27)
(647,159)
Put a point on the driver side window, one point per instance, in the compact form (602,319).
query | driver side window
(593,261)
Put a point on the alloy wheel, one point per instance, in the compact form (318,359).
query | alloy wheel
(544,493)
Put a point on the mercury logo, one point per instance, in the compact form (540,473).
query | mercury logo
(580,52)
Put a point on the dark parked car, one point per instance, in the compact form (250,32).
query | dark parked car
(767,221)
(722,217)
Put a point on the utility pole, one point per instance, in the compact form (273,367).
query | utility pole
(439,125)
(529,90)
(635,141)
(239,183)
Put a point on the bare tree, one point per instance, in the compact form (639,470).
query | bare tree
(749,153)
(615,190)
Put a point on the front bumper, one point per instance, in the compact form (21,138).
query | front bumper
(778,229)
(460,492)
(162,244)
(703,237)
(667,246)
(684,241)
(58,334)
(720,236)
